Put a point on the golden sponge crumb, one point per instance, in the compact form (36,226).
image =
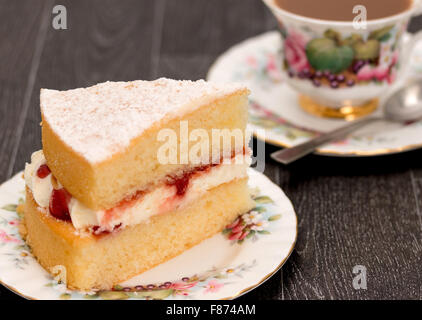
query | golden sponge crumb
(93,262)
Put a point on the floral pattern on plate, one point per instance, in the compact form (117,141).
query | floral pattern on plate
(253,223)
(209,282)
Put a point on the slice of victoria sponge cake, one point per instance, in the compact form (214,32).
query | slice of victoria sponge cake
(132,174)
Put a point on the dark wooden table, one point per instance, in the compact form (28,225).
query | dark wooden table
(352,211)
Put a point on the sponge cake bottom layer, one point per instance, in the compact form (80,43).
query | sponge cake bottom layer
(99,262)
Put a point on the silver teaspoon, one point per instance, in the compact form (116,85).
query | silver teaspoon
(403,106)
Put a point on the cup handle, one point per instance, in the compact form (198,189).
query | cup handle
(410,44)
(418,8)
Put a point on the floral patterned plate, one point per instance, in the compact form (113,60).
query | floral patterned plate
(244,255)
(276,117)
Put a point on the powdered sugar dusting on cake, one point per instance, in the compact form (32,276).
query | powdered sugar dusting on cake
(101,120)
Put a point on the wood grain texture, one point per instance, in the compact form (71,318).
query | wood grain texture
(104,41)
(415,163)
(354,211)
(364,211)
(210,27)
(193,38)
(21,35)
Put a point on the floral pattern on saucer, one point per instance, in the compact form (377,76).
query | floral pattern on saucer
(276,117)
(233,270)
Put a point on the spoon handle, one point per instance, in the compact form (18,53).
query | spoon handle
(289,155)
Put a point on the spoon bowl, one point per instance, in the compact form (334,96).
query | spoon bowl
(405,105)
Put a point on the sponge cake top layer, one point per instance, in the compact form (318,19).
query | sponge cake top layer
(101,120)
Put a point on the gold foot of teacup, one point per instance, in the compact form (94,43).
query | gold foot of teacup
(346,112)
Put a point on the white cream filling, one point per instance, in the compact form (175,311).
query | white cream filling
(159,200)
(41,188)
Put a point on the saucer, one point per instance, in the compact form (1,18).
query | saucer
(231,267)
(277,118)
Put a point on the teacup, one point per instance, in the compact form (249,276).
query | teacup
(341,70)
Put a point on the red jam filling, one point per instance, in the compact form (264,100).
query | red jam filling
(43,171)
(128,201)
(98,232)
(181,182)
(124,204)
(59,204)
(60,197)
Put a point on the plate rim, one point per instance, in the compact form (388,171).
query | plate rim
(345,154)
